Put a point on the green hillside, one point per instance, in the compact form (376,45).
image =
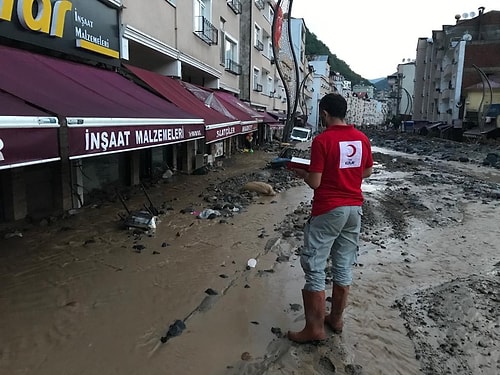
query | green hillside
(317,47)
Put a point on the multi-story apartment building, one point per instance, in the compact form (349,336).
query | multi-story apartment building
(257,81)
(321,87)
(402,91)
(450,67)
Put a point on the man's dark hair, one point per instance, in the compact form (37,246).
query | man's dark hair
(334,104)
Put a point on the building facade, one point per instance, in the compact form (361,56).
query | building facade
(452,65)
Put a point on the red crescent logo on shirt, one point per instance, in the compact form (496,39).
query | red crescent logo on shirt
(353,151)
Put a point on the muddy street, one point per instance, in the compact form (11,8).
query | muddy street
(81,295)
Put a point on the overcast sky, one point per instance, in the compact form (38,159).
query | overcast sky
(374,36)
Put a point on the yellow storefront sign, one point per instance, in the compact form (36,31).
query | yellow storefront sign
(49,18)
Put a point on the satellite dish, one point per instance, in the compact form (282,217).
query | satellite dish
(465,15)
(472,14)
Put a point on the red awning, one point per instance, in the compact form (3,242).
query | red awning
(238,108)
(268,119)
(27,144)
(72,90)
(277,115)
(208,98)
(28,135)
(174,91)
(214,133)
(104,111)
(12,106)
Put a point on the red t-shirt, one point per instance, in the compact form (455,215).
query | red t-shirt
(341,153)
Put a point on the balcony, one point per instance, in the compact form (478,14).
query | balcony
(206,31)
(259,45)
(235,6)
(446,94)
(233,67)
(257,87)
(260,4)
(448,70)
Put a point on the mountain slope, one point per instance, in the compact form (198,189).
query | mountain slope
(314,46)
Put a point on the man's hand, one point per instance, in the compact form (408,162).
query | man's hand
(302,173)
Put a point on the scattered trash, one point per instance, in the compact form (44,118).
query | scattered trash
(174,330)
(152,208)
(13,234)
(246,356)
(208,214)
(277,331)
(143,219)
(251,263)
(167,175)
(211,292)
(138,248)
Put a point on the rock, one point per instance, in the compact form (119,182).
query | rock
(259,187)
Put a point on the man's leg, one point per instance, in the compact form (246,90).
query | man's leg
(319,234)
(343,256)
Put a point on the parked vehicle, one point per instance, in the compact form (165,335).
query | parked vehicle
(301,134)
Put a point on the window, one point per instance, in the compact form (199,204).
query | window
(235,6)
(271,14)
(270,86)
(222,55)
(269,48)
(256,80)
(257,38)
(260,4)
(231,56)
(202,22)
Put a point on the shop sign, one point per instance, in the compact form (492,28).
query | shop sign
(86,28)
(89,141)
(26,146)
(276,126)
(221,132)
(249,128)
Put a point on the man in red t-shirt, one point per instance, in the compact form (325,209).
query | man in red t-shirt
(340,158)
